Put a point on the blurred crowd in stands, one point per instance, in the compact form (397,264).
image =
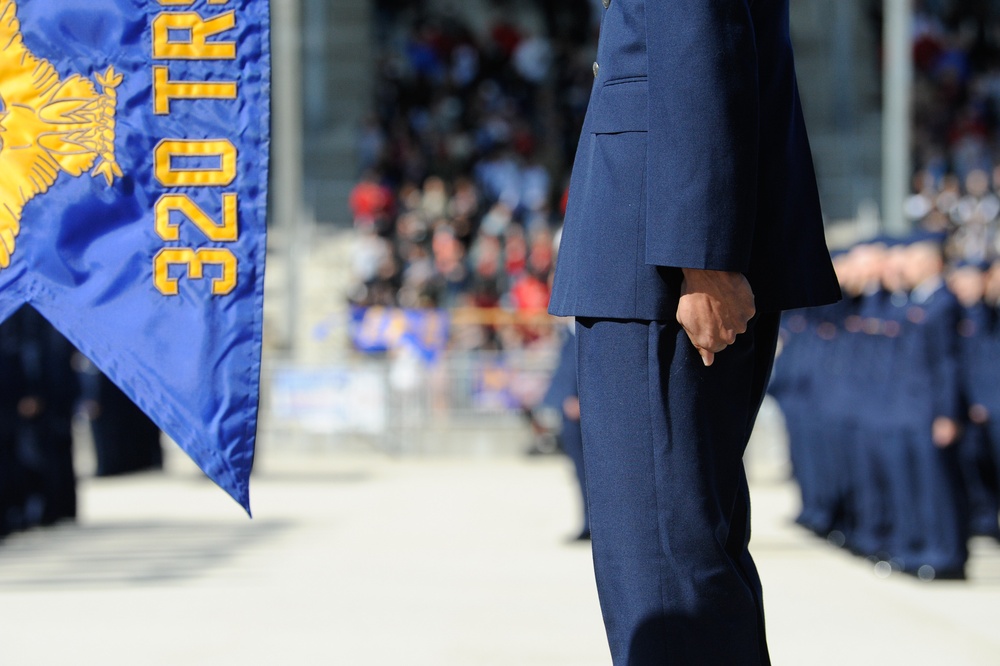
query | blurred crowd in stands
(46,385)
(956,92)
(464,158)
(956,102)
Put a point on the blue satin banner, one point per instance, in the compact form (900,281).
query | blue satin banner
(133,184)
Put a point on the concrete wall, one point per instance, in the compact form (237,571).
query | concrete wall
(839,82)
(338,70)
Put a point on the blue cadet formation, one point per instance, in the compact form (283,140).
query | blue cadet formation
(893,406)
(46,382)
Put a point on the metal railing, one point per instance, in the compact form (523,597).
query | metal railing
(465,403)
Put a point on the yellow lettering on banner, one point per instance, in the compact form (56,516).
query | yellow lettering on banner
(181,203)
(396,329)
(165,90)
(169,176)
(197,46)
(195,261)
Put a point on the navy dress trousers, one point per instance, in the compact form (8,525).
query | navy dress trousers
(693,155)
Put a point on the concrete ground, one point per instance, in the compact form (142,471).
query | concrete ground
(358,559)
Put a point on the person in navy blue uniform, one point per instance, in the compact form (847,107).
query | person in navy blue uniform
(862,386)
(986,410)
(126,441)
(886,515)
(930,381)
(21,496)
(37,360)
(977,375)
(46,411)
(807,383)
(793,386)
(693,219)
(561,400)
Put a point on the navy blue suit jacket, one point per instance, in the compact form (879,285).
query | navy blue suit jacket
(693,155)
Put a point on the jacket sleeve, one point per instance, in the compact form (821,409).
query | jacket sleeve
(703,134)
(942,345)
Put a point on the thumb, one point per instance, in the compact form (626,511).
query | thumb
(707,357)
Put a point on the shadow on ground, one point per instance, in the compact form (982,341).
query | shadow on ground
(125,553)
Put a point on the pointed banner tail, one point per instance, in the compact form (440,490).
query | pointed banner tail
(133,193)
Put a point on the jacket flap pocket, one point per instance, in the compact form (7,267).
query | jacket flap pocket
(619,106)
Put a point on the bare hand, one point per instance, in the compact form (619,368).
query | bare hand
(714,307)
(979,414)
(944,431)
(571,408)
(30,407)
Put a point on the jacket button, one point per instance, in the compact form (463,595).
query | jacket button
(596,69)
(607,3)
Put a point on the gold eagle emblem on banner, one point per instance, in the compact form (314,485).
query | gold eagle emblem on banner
(47,126)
